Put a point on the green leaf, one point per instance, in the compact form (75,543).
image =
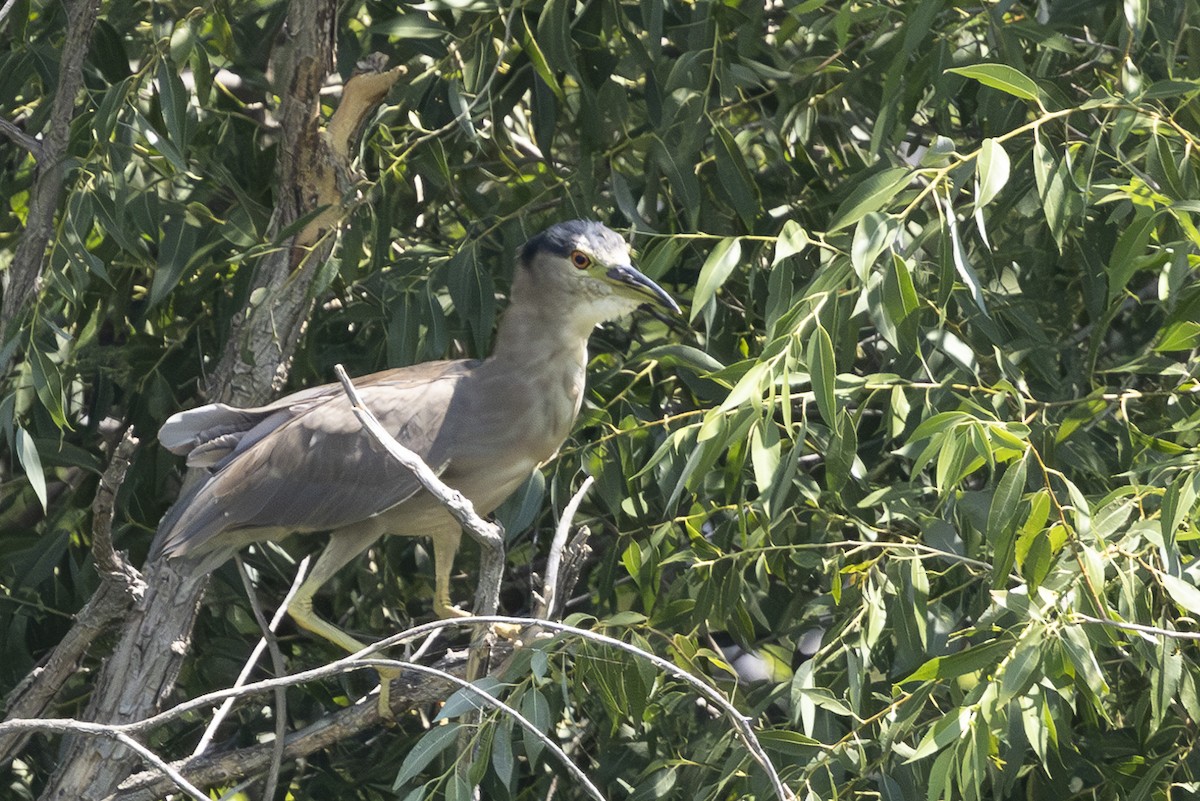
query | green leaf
(1082,656)
(1022,667)
(503,760)
(1178,501)
(1002,515)
(765,447)
(1136,13)
(716,270)
(991,170)
(941,776)
(824,372)
(468,700)
(1160,90)
(1061,199)
(48,384)
(963,267)
(176,251)
(1183,335)
(1001,76)
(1131,245)
(789,743)
(1182,593)
(870,195)
(554,35)
(791,240)
(32,463)
(1006,500)
(538,59)
(537,710)
(734,178)
(946,731)
(939,423)
(875,234)
(662,257)
(173,99)
(474,295)
(900,302)
(433,743)
(972,659)
(843,448)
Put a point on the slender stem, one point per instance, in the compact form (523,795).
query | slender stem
(545,607)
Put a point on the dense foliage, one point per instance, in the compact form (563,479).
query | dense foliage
(906,481)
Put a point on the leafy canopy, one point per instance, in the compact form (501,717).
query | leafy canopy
(921,460)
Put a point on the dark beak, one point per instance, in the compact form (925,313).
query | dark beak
(627,276)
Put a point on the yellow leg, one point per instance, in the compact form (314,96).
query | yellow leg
(342,548)
(445,546)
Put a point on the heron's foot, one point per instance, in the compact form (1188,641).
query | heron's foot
(386,676)
(446,610)
(507,631)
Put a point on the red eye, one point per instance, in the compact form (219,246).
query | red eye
(580,259)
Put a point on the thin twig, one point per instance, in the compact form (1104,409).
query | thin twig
(1079,617)
(14,133)
(121,585)
(743,727)
(496,703)
(211,730)
(742,724)
(545,607)
(118,733)
(343,725)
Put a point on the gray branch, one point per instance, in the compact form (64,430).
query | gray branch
(121,586)
(25,273)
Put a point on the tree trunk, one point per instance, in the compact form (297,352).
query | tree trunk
(142,669)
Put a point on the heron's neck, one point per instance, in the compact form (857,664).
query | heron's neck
(542,334)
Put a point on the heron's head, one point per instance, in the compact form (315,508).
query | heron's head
(587,265)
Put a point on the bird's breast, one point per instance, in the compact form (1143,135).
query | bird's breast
(522,414)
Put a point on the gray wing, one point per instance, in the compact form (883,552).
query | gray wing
(208,434)
(303,463)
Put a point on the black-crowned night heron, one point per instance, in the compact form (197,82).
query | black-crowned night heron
(303,463)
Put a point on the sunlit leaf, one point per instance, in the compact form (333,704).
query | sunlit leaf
(1130,246)
(874,234)
(32,464)
(792,239)
(992,169)
(735,178)
(870,195)
(824,372)
(1001,76)
(717,268)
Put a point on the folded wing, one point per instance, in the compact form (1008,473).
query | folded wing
(303,463)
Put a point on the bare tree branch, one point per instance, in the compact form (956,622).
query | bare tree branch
(550,602)
(24,274)
(408,692)
(258,757)
(83,727)
(14,133)
(121,585)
